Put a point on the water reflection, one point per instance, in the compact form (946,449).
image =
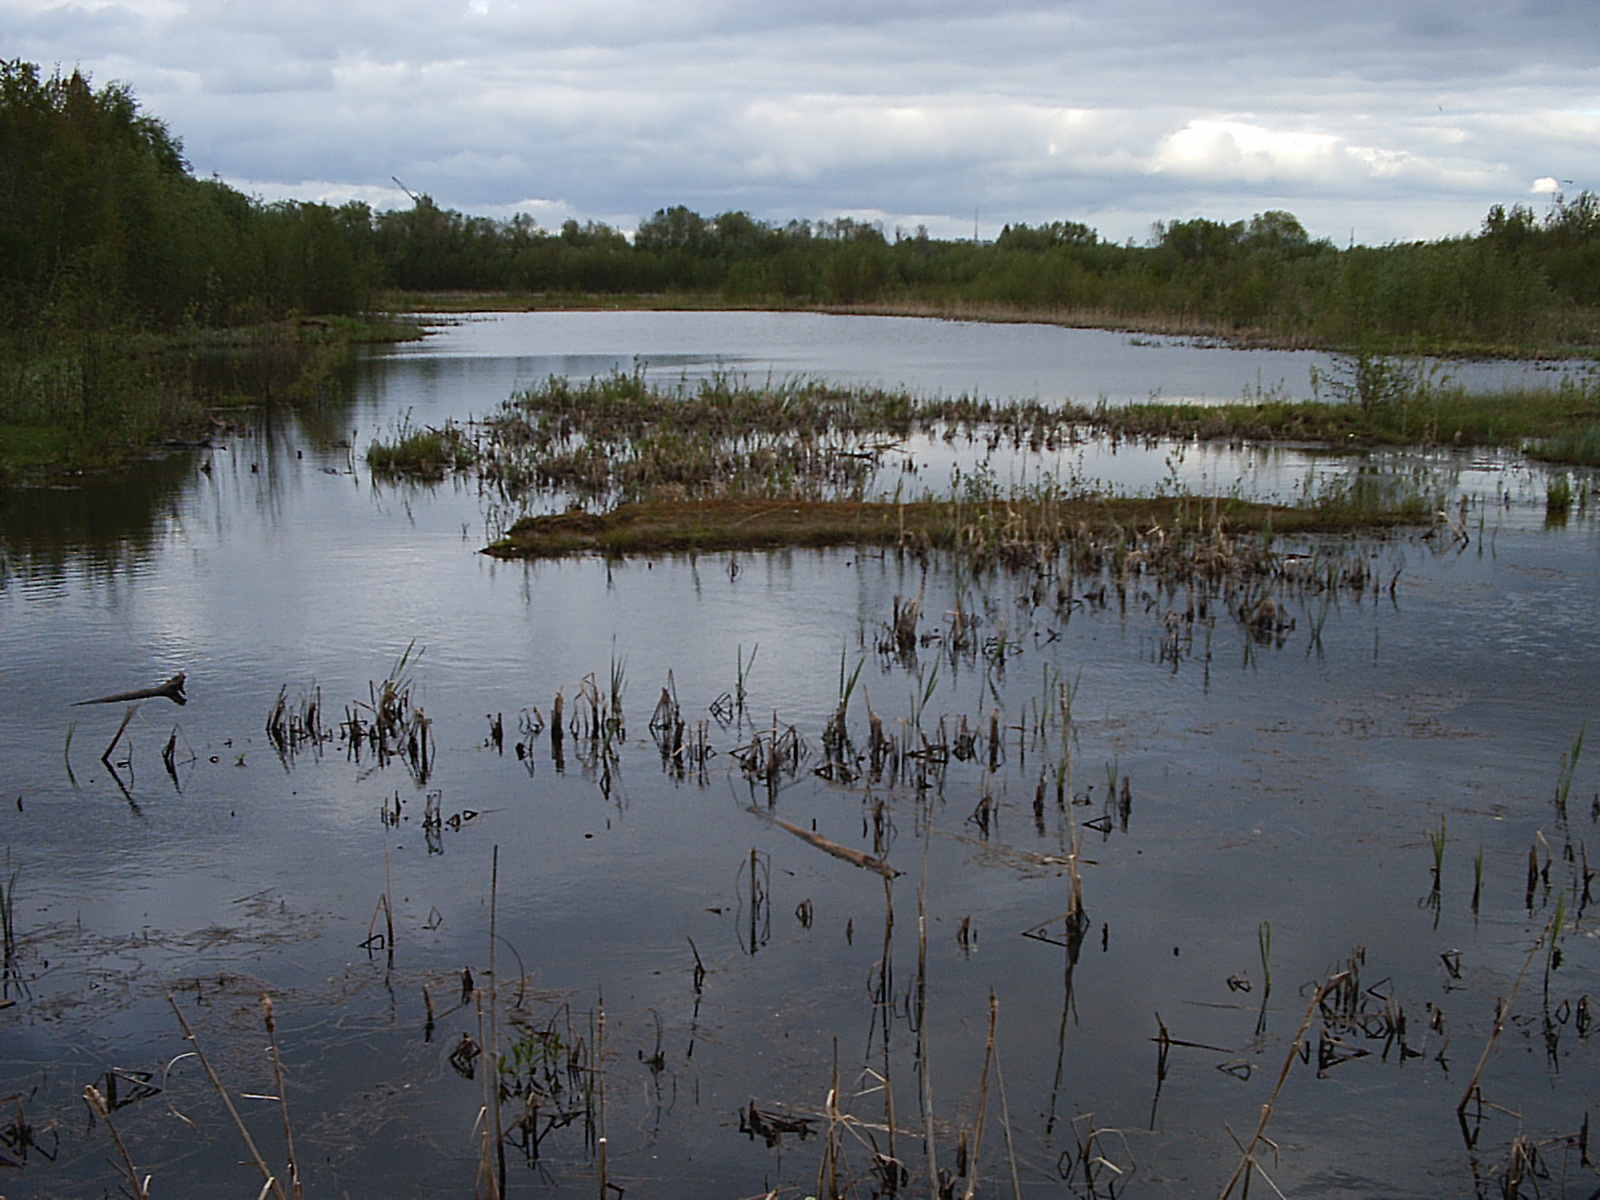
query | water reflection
(102,527)
(1137,734)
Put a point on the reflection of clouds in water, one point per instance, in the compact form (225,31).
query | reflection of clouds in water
(1254,773)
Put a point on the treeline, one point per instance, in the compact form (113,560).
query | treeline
(1522,281)
(102,221)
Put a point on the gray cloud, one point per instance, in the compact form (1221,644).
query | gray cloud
(1400,119)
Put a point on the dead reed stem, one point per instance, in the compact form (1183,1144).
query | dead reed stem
(127,716)
(1005,1126)
(983,1101)
(884,977)
(494,1030)
(486,1169)
(388,903)
(1247,1160)
(97,1102)
(922,1016)
(1502,1011)
(270,1180)
(600,1083)
(283,1096)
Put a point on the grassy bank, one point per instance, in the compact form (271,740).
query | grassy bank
(77,400)
(1411,415)
(1014,531)
(1578,343)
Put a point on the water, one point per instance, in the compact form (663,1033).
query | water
(489,356)
(1288,783)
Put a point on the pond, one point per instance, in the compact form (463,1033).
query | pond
(691,952)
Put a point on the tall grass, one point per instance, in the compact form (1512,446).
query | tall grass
(422,451)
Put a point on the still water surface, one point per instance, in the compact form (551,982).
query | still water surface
(1281,799)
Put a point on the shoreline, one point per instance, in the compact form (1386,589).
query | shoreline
(1150,325)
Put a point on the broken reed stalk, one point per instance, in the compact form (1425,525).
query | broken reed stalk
(1502,1011)
(283,1096)
(97,1102)
(983,1101)
(270,1180)
(1247,1160)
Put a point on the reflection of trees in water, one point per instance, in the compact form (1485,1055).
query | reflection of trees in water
(307,387)
(101,526)
(298,401)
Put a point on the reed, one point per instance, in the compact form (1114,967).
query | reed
(1248,1164)
(1477,879)
(1569,767)
(8,922)
(1474,1088)
(270,1181)
(138,1188)
(271,1024)
(1436,843)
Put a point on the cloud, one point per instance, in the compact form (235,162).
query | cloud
(1401,118)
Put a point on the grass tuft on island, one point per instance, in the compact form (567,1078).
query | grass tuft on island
(423,452)
(1013,532)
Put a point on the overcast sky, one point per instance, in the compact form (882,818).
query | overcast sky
(1379,119)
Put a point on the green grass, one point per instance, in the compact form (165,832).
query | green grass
(76,400)
(1429,415)
(1578,446)
(427,453)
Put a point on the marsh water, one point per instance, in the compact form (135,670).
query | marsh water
(1386,790)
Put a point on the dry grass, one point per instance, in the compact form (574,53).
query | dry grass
(1003,529)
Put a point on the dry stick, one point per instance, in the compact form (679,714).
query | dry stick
(855,857)
(172,689)
(283,1098)
(271,1180)
(1501,1013)
(494,1028)
(97,1102)
(1247,1160)
(983,1101)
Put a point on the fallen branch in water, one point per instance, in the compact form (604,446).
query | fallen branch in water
(854,857)
(172,689)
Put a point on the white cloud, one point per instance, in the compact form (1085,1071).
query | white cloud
(1397,117)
